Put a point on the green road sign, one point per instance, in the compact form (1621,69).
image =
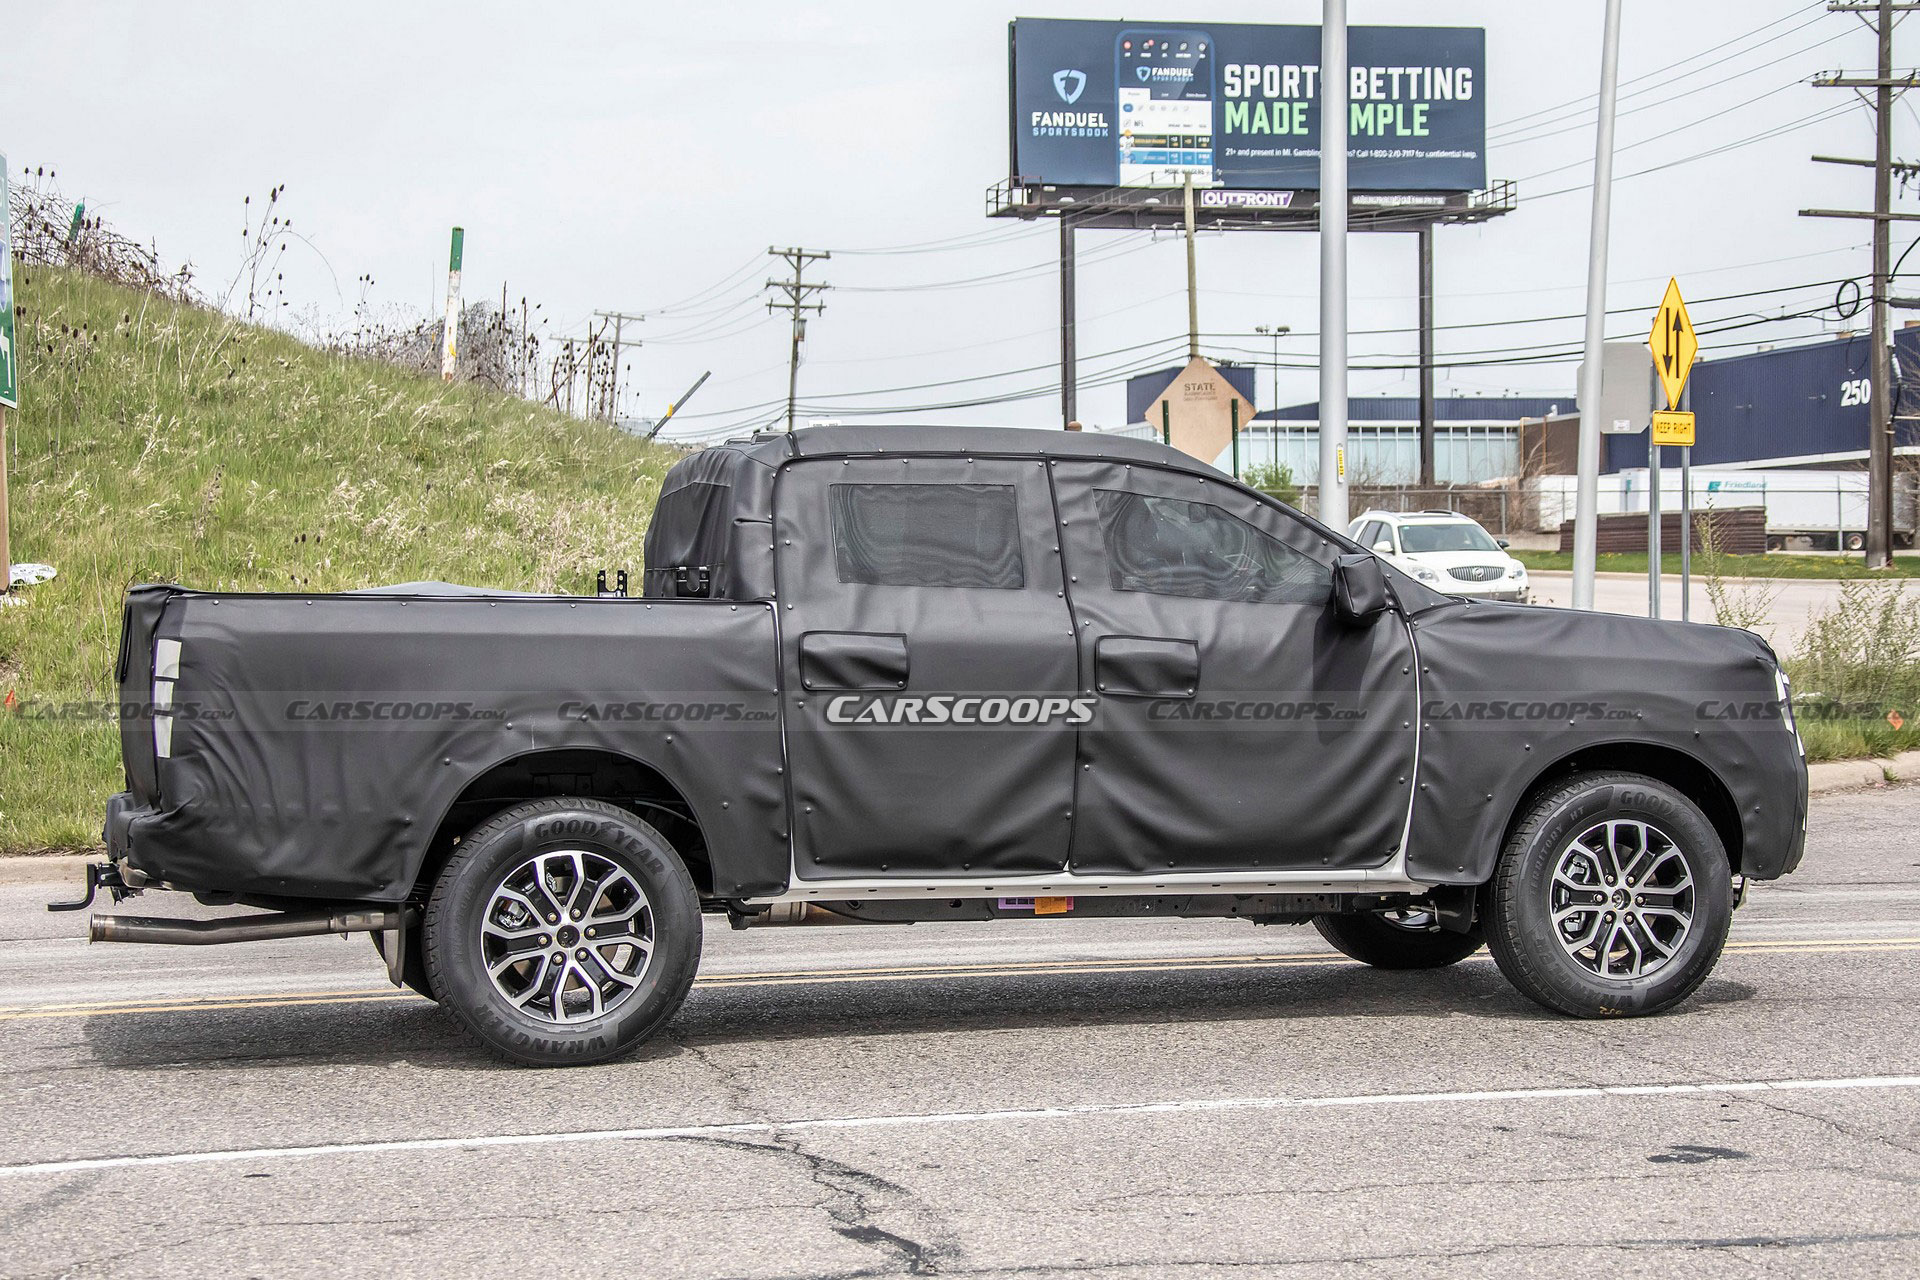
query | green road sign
(9,360)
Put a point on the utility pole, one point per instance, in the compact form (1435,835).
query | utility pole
(1332,503)
(1586,508)
(613,390)
(1880,429)
(797,291)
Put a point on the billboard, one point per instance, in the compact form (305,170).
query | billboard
(1141,104)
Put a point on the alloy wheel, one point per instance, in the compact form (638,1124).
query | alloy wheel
(567,936)
(1622,899)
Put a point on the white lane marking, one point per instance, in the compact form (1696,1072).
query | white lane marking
(772,1128)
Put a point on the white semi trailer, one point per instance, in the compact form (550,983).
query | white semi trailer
(1806,510)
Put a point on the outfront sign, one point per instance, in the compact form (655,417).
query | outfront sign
(1235,106)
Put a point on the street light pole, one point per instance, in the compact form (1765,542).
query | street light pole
(1275,332)
(1332,503)
(1587,489)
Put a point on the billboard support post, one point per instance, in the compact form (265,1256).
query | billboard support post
(1332,505)
(1193,279)
(1587,492)
(1426,356)
(1069,355)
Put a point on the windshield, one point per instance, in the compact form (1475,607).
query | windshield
(1454,535)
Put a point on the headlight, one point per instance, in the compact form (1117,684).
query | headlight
(1517,570)
(1423,574)
(1785,687)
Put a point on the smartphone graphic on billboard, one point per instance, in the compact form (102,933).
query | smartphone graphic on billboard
(1165,90)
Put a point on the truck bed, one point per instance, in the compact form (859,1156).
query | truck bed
(312,745)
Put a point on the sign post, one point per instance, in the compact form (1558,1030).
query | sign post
(450,332)
(9,375)
(1675,346)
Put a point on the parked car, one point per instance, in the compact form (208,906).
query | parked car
(933,674)
(1445,550)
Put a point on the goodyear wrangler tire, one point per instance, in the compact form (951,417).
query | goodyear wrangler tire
(1397,940)
(1612,898)
(562,932)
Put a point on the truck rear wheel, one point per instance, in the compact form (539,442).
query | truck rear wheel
(1397,940)
(1612,898)
(562,932)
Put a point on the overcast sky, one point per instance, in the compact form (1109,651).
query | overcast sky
(628,156)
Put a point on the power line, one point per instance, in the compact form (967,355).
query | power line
(1588,102)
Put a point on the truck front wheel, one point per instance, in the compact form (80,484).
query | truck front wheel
(1612,898)
(562,932)
(1397,939)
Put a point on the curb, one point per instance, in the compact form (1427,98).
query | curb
(59,869)
(1849,775)
(1612,575)
(1822,779)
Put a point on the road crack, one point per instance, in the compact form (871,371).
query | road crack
(854,1199)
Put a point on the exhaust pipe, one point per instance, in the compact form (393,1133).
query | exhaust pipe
(786,913)
(200,933)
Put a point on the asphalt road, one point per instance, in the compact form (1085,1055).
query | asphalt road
(1055,1098)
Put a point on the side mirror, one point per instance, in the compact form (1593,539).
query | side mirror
(1384,546)
(1501,543)
(1359,589)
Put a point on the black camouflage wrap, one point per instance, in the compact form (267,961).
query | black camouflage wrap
(1167,733)
(318,741)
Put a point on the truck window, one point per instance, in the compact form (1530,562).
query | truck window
(1173,547)
(927,535)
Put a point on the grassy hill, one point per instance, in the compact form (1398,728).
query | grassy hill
(161,442)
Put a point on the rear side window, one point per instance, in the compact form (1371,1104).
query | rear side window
(927,535)
(1174,547)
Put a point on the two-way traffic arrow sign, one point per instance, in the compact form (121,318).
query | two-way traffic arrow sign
(1673,343)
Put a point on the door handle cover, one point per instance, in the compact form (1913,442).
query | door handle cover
(852,660)
(1146,667)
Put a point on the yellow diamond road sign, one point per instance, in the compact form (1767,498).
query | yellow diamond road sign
(1673,343)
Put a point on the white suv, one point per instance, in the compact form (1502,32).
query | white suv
(1445,550)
